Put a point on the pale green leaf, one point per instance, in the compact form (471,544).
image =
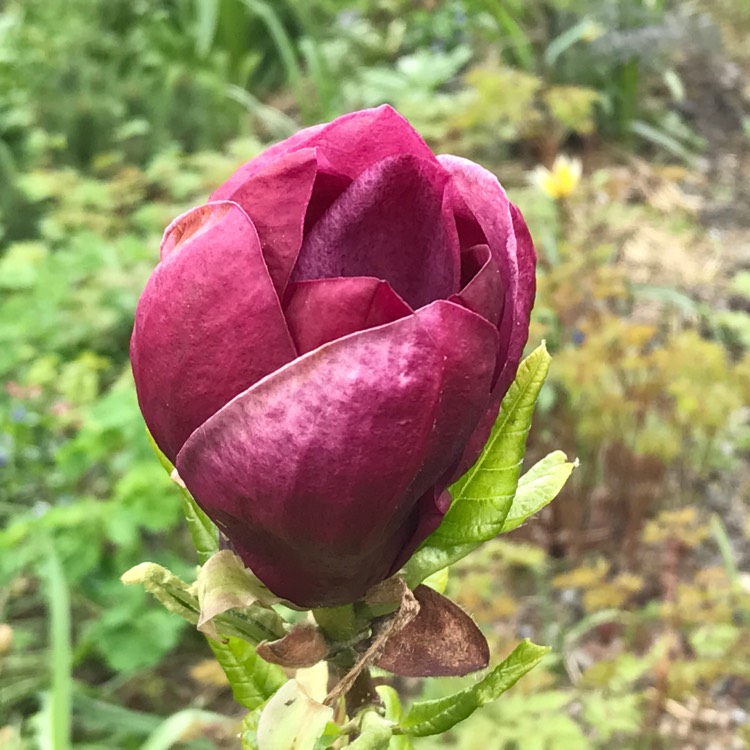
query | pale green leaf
(225,583)
(538,487)
(483,497)
(253,624)
(291,720)
(163,460)
(207,19)
(252,679)
(438,716)
(170,590)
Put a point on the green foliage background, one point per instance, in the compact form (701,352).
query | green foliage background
(115,116)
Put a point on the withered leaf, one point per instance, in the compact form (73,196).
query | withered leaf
(441,641)
(303,646)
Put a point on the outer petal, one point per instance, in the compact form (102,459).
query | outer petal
(347,146)
(301,139)
(276,198)
(487,201)
(390,224)
(524,302)
(208,324)
(354,142)
(513,251)
(322,310)
(315,473)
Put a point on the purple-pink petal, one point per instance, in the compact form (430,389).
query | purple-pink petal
(208,324)
(391,224)
(276,199)
(322,310)
(513,251)
(348,145)
(354,142)
(329,185)
(516,261)
(526,291)
(483,291)
(317,472)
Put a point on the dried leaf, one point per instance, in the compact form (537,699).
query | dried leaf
(441,641)
(303,646)
(390,592)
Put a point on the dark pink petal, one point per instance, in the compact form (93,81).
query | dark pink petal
(348,145)
(354,142)
(431,508)
(513,251)
(461,387)
(524,302)
(470,233)
(316,473)
(328,187)
(276,198)
(515,258)
(483,290)
(390,223)
(295,142)
(208,325)
(322,310)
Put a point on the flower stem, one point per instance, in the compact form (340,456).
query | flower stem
(339,624)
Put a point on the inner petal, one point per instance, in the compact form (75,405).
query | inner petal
(276,200)
(322,310)
(392,223)
(481,284)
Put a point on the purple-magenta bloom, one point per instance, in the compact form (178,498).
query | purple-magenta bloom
(324,346)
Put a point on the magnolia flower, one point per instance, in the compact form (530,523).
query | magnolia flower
(324,346)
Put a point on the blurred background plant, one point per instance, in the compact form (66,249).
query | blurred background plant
(116,115)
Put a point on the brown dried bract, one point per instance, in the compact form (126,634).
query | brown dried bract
(303,646)
(441,641)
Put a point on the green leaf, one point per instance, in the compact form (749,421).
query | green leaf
(249,729)
(438,716)
(394,713)
(253,680)
(207,19)
(163,460)
(482,498)
(538,487)
(202,530)
(438,580)
(57,712)
(292,720)
(375,733)
(587,30)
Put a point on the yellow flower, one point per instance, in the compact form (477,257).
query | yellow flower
(560,181)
